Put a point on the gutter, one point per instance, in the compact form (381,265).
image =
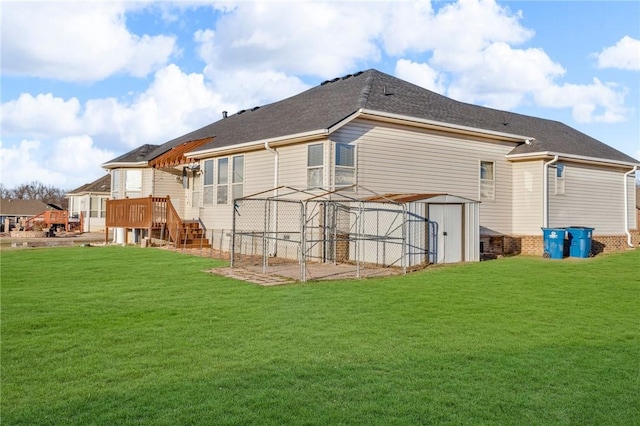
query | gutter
(276,179)
(545,191)
(626,205)
(574,158)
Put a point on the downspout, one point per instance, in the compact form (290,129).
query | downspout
(276,180)
(545,191)
(626,205)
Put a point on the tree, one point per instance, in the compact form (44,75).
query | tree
(35,191)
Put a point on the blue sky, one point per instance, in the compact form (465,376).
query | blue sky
(83,82)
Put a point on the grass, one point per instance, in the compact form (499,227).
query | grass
(123,335)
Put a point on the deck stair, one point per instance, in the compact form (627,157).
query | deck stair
(189,235)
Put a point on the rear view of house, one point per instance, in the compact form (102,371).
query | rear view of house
(371,133)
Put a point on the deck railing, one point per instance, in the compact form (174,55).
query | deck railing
(143,213)
(49,218)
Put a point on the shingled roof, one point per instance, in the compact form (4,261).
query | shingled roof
(102,184)
(137,155)
(327,104)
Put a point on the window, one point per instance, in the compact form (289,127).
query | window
(237,180)
(223,180)
(97,207)
(559,179)
(207,183)
(94,207)
(315,165)
(133,183)
(196,195)
(487,180)
(115,184)
(345,171)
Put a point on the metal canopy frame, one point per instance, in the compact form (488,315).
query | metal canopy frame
(348,225)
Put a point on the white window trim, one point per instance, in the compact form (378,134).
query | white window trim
(560,181)
(211,185)
(219,185)
(487,181)
(336,166)
(320,167)
(234,183)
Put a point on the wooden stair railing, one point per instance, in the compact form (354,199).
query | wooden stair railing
(185,233)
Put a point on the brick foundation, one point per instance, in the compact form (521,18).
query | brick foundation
(533,245)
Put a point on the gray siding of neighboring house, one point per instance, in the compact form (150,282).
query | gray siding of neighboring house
(527,197)
(594,197)
(430,162)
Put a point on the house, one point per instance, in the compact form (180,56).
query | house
(372,131)
(14,213)
(89,203)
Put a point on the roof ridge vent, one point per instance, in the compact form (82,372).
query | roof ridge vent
(255,108)
(241,111)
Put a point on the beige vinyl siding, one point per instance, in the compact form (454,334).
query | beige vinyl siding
(147,181)
(594,197)
(393,158)
(165,184)
(527,197)
(258,171)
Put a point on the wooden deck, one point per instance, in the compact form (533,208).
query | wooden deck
(52,218)
(155,213)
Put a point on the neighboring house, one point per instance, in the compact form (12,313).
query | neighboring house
(89,203)
(389,136)
(14,213)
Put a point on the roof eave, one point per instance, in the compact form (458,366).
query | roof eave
(116,165)
(543,155)
(258,144)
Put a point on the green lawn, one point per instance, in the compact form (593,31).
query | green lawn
(123,335)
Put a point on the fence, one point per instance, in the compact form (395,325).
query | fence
(269,233)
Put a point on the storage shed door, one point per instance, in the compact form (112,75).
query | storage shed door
(449,220)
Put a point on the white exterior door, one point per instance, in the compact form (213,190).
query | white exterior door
(449,220)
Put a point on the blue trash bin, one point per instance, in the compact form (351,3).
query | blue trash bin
(579,241)
(553,242)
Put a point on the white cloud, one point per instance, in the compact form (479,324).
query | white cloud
(20,164)
(76,41)
(420,74)
(624,55)
(40,115)
(64,163)
(596,102)
(454,32)
(70,154)
(175,103)
(305,38)
(501,77)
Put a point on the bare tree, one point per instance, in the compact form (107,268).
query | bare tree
(35,191)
